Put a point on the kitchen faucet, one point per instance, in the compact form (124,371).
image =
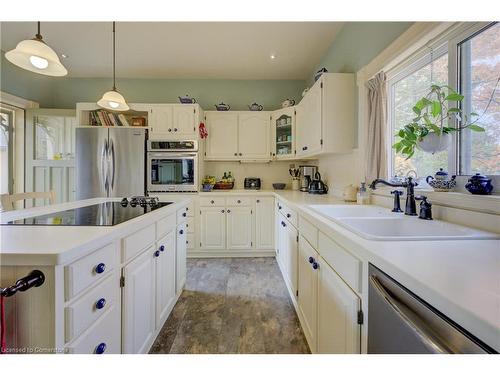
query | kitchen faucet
(409,184)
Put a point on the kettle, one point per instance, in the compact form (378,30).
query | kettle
(317,186)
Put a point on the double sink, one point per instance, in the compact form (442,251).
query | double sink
(380,224)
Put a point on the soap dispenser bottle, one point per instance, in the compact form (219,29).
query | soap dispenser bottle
(363,197)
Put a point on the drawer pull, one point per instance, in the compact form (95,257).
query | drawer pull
(100,349)
(228,211)
(100,304)
(279,207)
(212,202)
(258,200)
(100,268)
(181,231)
(288,216)
(157,253)
(315,265)
(304,148)
(184,214)
(239,201)
(283,224)
(162,248)
(222,211)
(311,260)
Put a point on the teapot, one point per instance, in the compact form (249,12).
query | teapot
(187,99)
(350,193)
(440,181)
(222,107)
(319,73)
(317,186)
(479,184)
(288,103)
(255,107)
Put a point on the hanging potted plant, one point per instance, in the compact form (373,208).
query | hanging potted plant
(429,130)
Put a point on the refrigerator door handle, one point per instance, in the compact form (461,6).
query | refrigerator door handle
(113,163)
(104,166)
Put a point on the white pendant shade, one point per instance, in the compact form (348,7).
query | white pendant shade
(114,101)
(34,55)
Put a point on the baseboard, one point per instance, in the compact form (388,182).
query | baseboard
(230,253)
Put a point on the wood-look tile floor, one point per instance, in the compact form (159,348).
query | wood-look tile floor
(232,305)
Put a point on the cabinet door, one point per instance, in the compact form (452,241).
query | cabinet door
(308,122)
(290,254)
(264,223)
(213,228)
(161,121)
(165,277)
(139,303)
(222,140)
(338,306)
(308,291)
(254,135)
(283,133)
(184,117)
(239,228)
(181,257)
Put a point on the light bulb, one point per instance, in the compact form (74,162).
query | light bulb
(113,104)
(39,62)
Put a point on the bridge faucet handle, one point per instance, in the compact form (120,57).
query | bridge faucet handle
(397,192)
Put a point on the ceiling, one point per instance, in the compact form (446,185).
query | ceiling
(203,50)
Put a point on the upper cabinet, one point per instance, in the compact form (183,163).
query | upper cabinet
(238,136)
(174,121)
(325,117)
(283,133)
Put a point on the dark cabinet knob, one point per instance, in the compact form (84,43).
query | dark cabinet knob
(175,129)
(100,303)
(315,265)
(279,207)
(288,216)
(283,224)
(187,208)
(235,154)
(181,231)
(157,253)
(239,201)
(162,248)
(100,349)
(212,202)
(222,211)
(169,130)
(258,200)
(228,211)
(311,260)
(184,214)
(100,268)
(304,148)
(241,154)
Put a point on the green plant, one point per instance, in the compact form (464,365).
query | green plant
(433,115)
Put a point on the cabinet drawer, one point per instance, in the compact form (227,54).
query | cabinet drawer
(344,263)
(181,215)
(190,208)
(288,213)
(190,241)
(190,225)
(135,243)
(80,314)
(165,225)
(84,272)
(309,231)
(105,331)
(238,201)
(212,201)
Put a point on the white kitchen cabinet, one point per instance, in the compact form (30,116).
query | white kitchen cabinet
(138,303)
(254,135)
(338,329)
(288,253)
(264,223)
(307,299)
(213,228)
(239,228)
(222,140)
(185,121)
(309,139)
(165,267)
(283,133)
(160,121)
(181,249)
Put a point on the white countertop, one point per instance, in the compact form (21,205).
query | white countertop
(51,245)
(459,278)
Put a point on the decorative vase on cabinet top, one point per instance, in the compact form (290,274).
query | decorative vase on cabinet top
(479,184)
(440,181)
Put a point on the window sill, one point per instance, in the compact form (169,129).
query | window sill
(480,203)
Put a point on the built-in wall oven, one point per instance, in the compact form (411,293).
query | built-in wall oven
(172,166)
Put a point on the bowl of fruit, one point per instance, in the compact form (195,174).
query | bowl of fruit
(208,182)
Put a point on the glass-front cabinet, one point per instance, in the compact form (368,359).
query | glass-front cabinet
(283,128)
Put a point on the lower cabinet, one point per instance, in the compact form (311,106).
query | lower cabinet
(213,228)
(287,252)
(138,303)
(165,266)
(338,329)
(264,223)
(239,228)
(180,249)
(307,299)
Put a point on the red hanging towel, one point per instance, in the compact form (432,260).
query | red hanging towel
(3,328)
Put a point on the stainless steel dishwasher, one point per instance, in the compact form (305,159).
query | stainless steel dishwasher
(399,322)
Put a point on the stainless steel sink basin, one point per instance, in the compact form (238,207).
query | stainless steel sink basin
(412,229)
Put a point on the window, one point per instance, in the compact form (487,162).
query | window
(6,150)
(479,74)
(468,58)
(405,89)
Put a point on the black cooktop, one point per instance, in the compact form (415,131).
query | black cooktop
(102,214)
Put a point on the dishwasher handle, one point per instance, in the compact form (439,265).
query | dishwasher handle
(410,319)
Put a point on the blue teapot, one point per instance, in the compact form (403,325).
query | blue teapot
(222,107)
(187,99)
(479,184)
(255,107)
(440,181)
(319,73)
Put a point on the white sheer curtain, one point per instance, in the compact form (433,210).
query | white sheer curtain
(376,153)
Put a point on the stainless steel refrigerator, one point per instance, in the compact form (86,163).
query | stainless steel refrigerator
(110,162)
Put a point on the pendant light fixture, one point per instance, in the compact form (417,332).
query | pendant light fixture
(36,56)
(113,100)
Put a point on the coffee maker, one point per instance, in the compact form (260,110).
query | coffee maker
(307,173)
